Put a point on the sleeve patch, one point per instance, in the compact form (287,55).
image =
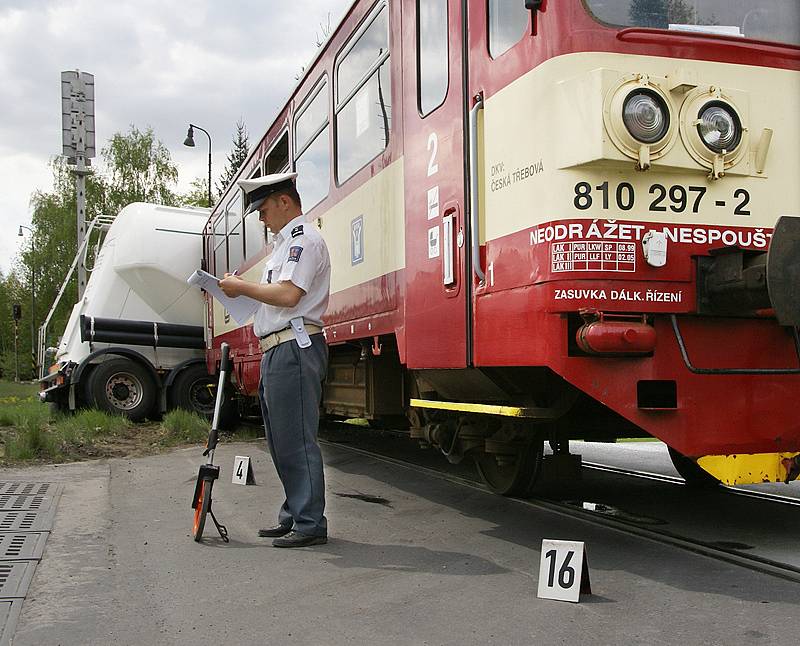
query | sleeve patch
(294,254)
(297,231)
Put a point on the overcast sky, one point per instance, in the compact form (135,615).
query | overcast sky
(158,63)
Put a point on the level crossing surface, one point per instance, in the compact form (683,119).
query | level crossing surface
(412,559)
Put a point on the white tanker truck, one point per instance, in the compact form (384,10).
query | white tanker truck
(135,343)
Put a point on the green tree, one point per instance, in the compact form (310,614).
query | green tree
(197,194)
(139,168)
(236,157)
(44,259)
(9,290)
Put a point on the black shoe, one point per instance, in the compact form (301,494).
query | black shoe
(296,539)
(272,532)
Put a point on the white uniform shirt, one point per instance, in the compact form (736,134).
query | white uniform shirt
(300,255)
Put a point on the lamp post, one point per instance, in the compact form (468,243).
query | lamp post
(33,301)
(189,141)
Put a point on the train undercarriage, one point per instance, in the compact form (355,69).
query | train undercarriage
(505,435)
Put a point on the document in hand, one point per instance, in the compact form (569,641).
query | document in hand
(241,308)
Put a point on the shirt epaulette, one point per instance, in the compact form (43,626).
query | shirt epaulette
(297,231)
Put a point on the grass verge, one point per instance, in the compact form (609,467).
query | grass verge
(29,433)
(183,427)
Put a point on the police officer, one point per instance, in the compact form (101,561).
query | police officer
(294,290)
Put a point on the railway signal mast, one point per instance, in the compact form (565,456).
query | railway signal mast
(78,141)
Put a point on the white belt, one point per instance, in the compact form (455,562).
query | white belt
(282,336)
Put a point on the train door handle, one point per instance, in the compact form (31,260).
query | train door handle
(448,247)
(473,189)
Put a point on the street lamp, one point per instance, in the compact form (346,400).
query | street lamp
(34,355)
(189,141)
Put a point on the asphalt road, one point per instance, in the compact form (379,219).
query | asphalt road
(426,562)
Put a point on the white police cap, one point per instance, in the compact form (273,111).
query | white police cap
(258,189)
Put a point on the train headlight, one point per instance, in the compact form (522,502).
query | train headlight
(646,116)
(719,127)
(713,126)
(638,117)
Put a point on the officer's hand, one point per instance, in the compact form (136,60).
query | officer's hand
(231,285)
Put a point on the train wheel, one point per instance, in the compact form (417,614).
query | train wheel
(511,474)
(123,387)
(693,474)
(195,390)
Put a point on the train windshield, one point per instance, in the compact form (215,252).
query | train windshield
(775,20)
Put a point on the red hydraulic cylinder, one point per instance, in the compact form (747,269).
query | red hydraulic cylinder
(609,334)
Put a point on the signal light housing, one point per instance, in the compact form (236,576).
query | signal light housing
(638,118)
(646,116)
(719,127)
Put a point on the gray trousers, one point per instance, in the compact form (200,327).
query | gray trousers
(290,393)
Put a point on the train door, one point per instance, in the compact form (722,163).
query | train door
(436,294)
(502,46)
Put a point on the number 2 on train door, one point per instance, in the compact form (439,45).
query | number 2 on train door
(433,147)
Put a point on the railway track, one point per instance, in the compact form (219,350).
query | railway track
(611,516)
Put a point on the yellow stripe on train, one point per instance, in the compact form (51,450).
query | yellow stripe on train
(750,468)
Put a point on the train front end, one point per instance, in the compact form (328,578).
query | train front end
(647,221)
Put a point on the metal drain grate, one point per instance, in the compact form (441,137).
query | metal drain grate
(27,512)
(9,615)
(27,488)
(15,577)
(27,521)
(21,546)
(13,502)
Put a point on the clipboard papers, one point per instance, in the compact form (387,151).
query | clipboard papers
(241,308)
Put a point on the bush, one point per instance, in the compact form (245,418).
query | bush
(89,424)
(13,411)
(182,427)
(31,442)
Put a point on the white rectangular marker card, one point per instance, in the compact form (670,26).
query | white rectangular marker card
(433,203)
(563,571)
(433,242)
(243,471)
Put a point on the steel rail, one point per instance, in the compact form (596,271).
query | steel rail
(646,475)
(733,556)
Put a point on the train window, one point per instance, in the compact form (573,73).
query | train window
(311,117)
(233,212)
(508,23)
(778,20)
(277,159)
(369,47)
(220,248)
(432,55)
(235,248)
(235,242)
(363,107)
(253,235)
(312,146)
(313,171)
(363,124)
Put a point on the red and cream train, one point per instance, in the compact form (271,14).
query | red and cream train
(547,221)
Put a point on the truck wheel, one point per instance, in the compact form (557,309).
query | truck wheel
(123,387)
(195,390)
